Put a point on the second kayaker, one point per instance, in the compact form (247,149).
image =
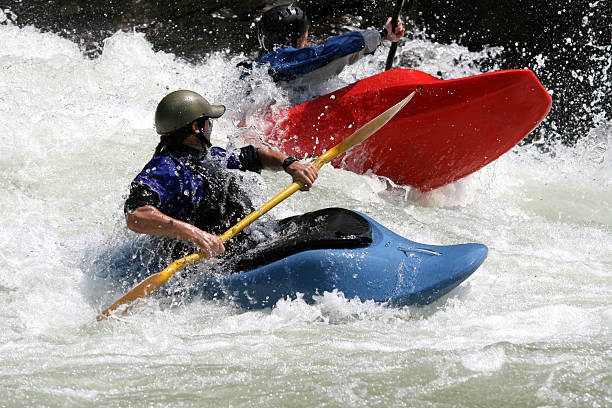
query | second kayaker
(283,37)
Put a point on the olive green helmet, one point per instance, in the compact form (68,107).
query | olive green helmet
(180,108)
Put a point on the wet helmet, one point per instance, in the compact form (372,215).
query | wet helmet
(179,108)
(282,23)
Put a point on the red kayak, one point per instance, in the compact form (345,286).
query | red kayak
(450,129)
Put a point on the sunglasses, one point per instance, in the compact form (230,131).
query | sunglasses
(203,121)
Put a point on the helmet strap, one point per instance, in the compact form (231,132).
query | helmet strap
(205,142)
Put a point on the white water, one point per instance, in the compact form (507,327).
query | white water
(530,328)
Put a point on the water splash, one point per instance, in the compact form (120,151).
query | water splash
(75,132)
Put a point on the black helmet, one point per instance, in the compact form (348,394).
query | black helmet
(180,108)
(282,23)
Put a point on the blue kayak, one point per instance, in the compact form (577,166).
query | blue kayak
(347,251)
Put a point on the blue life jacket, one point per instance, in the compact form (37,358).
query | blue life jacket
(196,187)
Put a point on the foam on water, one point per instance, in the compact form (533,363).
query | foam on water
(535,317)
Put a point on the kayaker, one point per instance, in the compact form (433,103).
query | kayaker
(283,36)
(186,192)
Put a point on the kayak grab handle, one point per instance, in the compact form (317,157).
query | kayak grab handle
(423,250)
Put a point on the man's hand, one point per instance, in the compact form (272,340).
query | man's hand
(207,243)
(304,172)
(274,160)
(399,30)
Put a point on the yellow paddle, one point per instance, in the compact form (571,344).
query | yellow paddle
(151,283)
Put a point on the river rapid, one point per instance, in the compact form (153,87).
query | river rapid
(531,327)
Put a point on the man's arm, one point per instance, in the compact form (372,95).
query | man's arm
(273,160)
(149,220)
(289,63)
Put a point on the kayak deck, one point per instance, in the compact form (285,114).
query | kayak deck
(391,269)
